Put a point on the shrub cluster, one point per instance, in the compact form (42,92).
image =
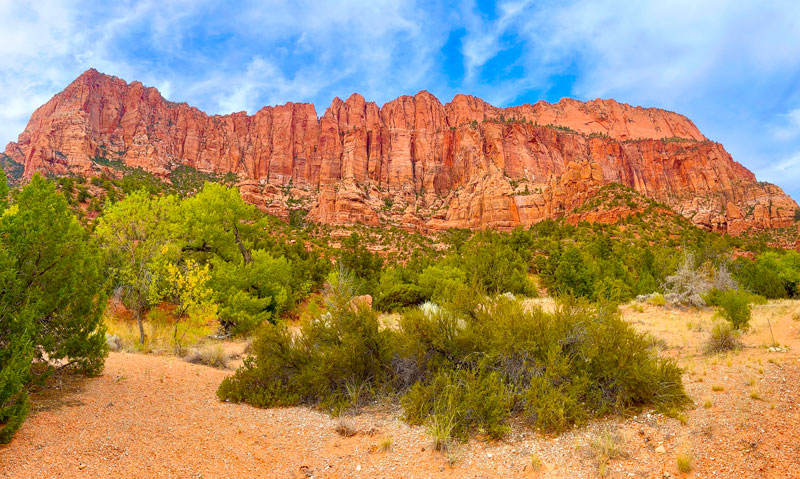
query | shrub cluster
(489,263)
(774,274)
(464,367)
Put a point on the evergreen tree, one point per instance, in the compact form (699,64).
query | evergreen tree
(52,295)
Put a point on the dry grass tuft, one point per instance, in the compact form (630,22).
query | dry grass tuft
(385,444)
(605,445)
(723,338)
(536,462)
(210,355)
(345,427)
(684,460)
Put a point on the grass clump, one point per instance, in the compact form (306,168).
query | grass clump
(684,461)
(657,299)
(386,444)
(463,368)
(606,445)
(723,338)
(211,355)
(345,427)
(536,462)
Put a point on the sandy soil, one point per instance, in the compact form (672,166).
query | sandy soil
(155,416)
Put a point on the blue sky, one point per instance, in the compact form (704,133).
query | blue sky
(733,67)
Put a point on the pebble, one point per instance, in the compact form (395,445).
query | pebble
(661,449)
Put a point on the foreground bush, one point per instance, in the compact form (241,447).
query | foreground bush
(459,372)
(336,360)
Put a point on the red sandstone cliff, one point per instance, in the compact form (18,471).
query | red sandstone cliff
(414,161)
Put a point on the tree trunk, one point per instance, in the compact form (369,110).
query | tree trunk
(242,248)
(139,320)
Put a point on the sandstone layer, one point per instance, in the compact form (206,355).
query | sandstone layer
(414,161)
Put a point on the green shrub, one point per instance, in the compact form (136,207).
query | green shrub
(249,294)
(399,297)
(772,274)
(460,369)
(573,276)
(455,402)
(715,297)
(734,307)
(497,263)
(439,282)
(333,353)
(657,299)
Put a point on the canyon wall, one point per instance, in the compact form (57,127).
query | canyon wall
(413,162)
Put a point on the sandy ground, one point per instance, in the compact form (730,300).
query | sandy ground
(155,416)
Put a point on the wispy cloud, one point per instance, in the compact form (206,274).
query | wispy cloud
(789,128)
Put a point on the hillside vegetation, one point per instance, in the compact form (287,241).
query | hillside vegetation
(182,263)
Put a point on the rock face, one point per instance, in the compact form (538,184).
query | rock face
(413,162)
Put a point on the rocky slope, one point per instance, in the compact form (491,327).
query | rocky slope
(413,162)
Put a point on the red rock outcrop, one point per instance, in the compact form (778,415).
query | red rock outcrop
(413,162)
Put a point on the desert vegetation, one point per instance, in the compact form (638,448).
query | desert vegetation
(451,336)
(52,296)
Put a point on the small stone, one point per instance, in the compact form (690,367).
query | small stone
(358,467)
(661,449)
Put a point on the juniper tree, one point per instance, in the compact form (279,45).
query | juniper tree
(52,295)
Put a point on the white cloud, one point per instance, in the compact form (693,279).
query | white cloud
(785,172)
(732,67)
(789,127)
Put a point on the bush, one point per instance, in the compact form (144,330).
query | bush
(723,338)
(734,307)
(399,297)
(453,403)
(467,368)
(440,282)
(657,299)
(334,354)
(573,276)
(250,293)
(688,285)
(210,355)
(496,266)
(773,275)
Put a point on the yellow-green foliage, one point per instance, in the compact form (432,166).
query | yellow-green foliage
(186,287)
(657,300)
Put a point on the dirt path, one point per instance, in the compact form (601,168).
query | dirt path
(152,416)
